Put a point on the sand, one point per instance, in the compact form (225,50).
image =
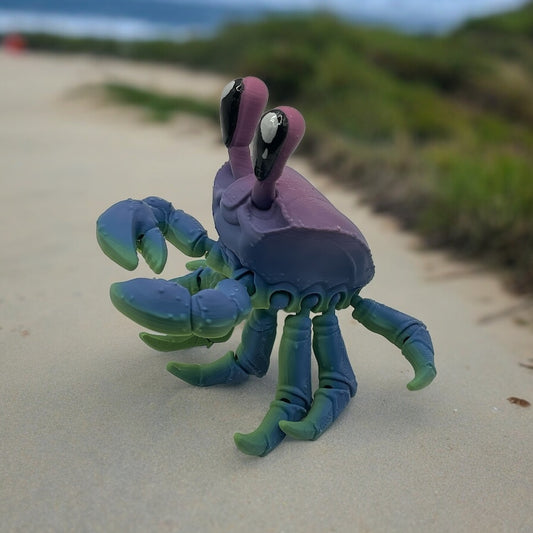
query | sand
(97,436)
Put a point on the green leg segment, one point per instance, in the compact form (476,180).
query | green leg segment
(293,395)
(337,383)
(258,336)
(405,332)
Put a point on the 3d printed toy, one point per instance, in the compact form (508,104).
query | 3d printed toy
(282,246)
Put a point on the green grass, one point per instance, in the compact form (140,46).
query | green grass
(483,204)
(437,130)
(160,107)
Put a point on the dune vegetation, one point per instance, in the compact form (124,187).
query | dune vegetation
(434,129)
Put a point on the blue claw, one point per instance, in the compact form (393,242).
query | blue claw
(130,225)
(155,304)
(143,225)
(168,307)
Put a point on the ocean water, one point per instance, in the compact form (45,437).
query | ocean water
(181,19)
(122,19)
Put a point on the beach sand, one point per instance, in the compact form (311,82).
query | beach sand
(97,436)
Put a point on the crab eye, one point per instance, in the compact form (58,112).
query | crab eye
(229,108)
(271,134)
(234,84)
(269,127)
(227,89)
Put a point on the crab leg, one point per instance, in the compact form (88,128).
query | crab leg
(405,332)
(293,395)
(251,357)
(337,383)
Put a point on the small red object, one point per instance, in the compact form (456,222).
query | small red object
(14,43)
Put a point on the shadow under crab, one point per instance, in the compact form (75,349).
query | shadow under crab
(282,247)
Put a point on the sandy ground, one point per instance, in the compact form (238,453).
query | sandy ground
(97,436)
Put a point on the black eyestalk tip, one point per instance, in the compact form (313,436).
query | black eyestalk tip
(229,109)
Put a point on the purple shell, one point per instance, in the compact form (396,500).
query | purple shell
(302,239)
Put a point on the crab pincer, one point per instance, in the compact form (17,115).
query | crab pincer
(143,225)
(128,226)
(167,307)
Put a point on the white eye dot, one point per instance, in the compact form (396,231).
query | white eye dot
(227,89)
(269,127)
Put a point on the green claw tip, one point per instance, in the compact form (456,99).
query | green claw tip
(301,430)
(154,249)
(252,444)
(189,373)
(195,265)
(123,256)
(423,378)
(172,343)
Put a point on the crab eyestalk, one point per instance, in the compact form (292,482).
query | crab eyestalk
(241,104)
(278,134)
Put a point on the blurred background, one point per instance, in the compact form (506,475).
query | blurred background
(146,19)
(424,106)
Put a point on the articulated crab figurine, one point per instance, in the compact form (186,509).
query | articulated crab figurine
(282,246)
